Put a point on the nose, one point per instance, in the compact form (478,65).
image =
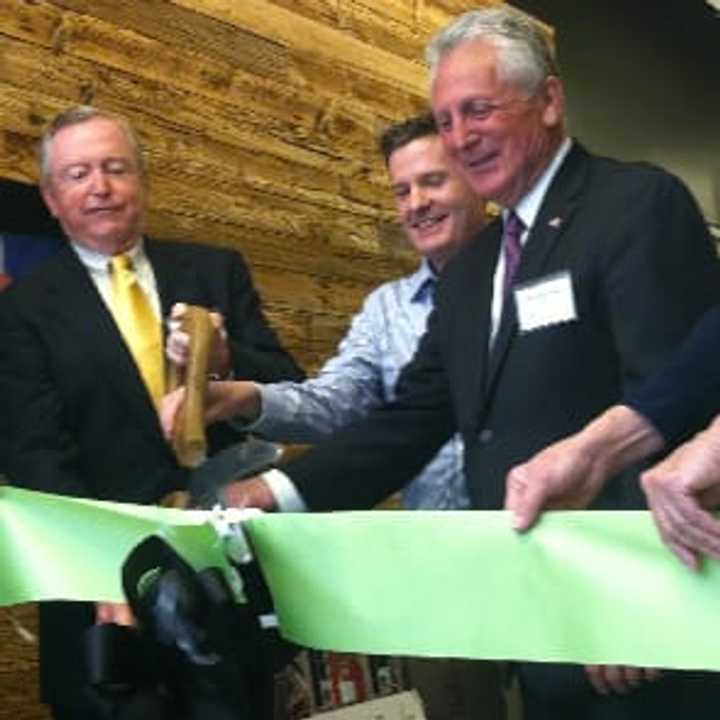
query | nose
(459,135)
(418,197)
(99,183)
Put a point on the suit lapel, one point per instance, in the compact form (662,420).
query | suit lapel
(552,221)
(81,309)
(173,273)
(473,317)
(177,275)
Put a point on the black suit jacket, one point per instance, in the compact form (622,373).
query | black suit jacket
(81,420)
(643,269)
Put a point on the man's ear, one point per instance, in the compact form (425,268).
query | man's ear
(553,96)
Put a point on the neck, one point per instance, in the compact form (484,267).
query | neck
(125,246)
(546,156)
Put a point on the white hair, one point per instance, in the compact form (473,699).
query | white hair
(526,54)
(76,116)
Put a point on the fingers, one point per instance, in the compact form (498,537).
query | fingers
(178,342)
(651,674)
(620,679)
(694,528)
(178,310)
(169,407)
(684,525)
(252,492)
(177,345)
(523,499)
(596,676)
(218,322)
(178,499)
(223,400)
(220,361)
(670,536)
(680,489)
(118,613)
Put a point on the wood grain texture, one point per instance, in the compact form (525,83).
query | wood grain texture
(18,665)
(260,120)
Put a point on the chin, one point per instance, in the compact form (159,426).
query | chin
(490,187)
(432,247)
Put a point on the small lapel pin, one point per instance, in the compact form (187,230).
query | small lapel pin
(555,223)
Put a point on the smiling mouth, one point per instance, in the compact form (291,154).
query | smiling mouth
(428,224)
(481,164)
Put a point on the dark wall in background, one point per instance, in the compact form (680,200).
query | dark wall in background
(643,82)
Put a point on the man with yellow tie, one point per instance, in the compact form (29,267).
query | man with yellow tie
(81,353)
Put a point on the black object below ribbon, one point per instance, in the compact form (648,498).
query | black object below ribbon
(250,457)
(195,654)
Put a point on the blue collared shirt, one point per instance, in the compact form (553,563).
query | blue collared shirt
(382,339)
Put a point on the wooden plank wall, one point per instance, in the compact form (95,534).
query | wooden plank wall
(260,119)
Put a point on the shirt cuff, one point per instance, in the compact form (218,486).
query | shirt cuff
(287,497)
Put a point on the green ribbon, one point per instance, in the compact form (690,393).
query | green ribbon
(54,547)
(588,587)
(585,587)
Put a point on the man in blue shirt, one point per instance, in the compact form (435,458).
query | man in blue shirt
(439,213)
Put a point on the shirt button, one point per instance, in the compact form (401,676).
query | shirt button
(485,436)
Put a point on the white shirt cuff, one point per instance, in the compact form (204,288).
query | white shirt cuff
(287,497)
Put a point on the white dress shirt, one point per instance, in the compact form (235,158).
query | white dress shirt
(98,266)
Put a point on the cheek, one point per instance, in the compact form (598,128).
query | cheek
(58,203)
(130,193)
(403,215)
(69,208)
(514,155)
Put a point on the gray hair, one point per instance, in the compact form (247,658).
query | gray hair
(527,55)
(76,116)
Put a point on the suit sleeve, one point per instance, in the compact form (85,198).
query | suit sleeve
(660,274)
(371,458)
(255,348)
(684,396)
(40,451)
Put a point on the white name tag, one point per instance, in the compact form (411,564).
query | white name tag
(548,301)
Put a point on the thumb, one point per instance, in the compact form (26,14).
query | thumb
(178,310)
(169,409)
(523,499)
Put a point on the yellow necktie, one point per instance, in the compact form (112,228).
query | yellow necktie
(138,324)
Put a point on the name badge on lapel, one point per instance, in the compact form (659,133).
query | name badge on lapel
(547,301)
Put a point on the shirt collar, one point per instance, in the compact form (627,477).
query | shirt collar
(98,262)
(529,206)
(420,282)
